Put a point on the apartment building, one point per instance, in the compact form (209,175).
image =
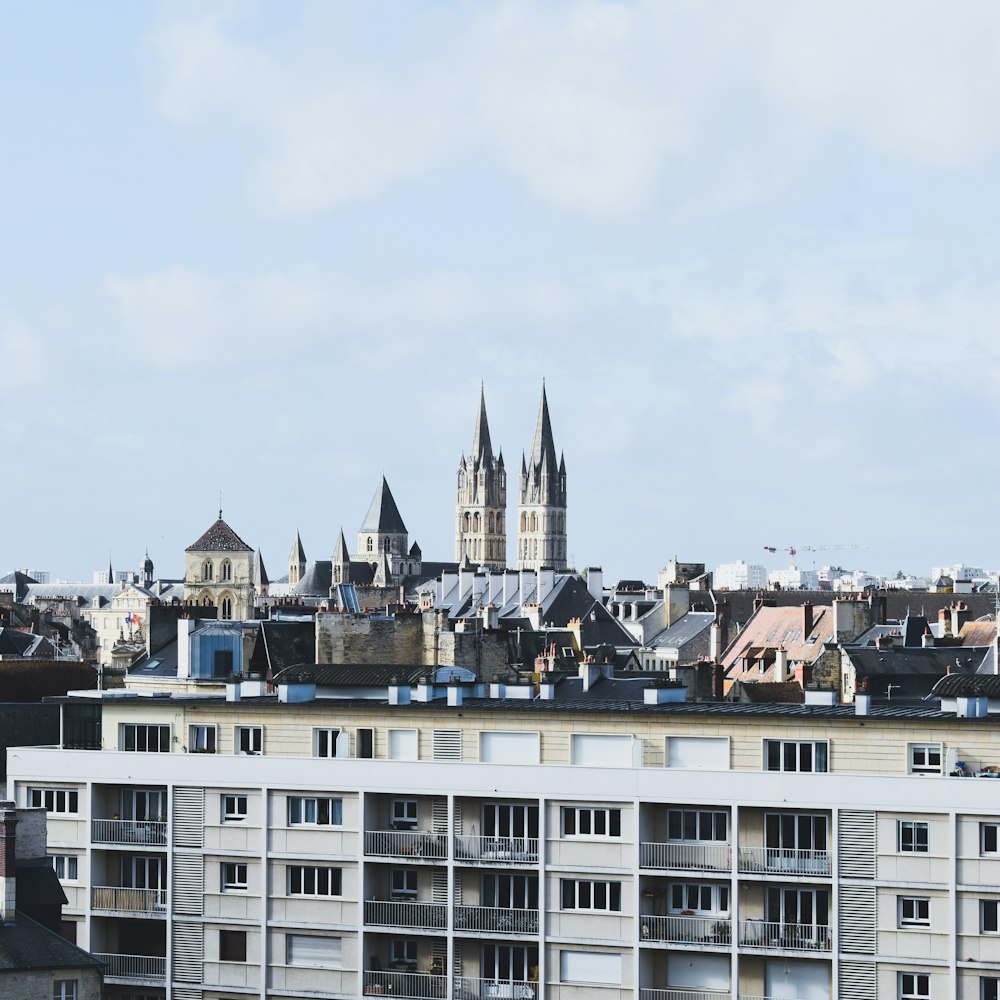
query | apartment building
(469,843)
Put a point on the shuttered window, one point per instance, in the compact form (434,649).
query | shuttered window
(310,949)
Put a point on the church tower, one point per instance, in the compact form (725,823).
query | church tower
(541,536)
(481,511)
(296,561)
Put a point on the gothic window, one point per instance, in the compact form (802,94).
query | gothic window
(227,607)
(226,572)
(468,521)
(206,601)
(476,523)
(369,544)
(534,521)
(385,546)
(206,569)
(492,524)
(524,522)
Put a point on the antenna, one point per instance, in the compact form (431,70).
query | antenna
(220,504)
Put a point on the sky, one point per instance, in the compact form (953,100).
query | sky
(274,249)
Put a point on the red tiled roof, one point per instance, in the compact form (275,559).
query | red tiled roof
(978,633)
(773,628)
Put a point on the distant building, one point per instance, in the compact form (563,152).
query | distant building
(740,575)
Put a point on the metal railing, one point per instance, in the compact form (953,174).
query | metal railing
(133,966)
(406,844)
(683,929)
(788,937)
(498,919)
(115,897)
(747,996)
(494,989)
(128,831)
(668,994)
(395,913)
(701,857)
(780,859)
(509,850)
(405,984)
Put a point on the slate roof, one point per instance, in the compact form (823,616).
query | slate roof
(767,692)
(15,643)
(365,674)
(19,581)
(288,644)
(383,514)
(219,538)
(259,573)
(543,448)
(297,553)
(967,686)
(29,945)
(38,884)
(316,580)
(482,447)
(912,672)
(689,627)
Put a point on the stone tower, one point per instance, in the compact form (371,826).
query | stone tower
(383,532)
(481,510)
(296,561)
(541,535)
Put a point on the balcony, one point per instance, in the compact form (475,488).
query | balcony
(697,857)
(133,968)
(494,989)
(409,844)
(496,920)
(785,937)
(404,984)
(747,996)
(509,850)
(128,900)
(668,994)
(768,860)
(396,913)
(683,929)
(128,831)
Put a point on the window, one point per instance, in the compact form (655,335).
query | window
(914,986)
(55,800)
(403,883)
(402,744)
(325,743)
(201,739)
(312,880)
(706,753)
(226,607)
(914,911)
(989,916)
(234,808)
(698,824)
(64,989)
(234,876)
(989,838)
(206,569)
(249,739)
(366,743)
(598,750)
(924,758)
(222,659)
(795,755)
(232,946)
(403,952)
(585,821)
(145,738)
(404,814)
(912,836)
(590,967)
(584,894)
(310,949)
(307,811)
(699,897)
(65,866)
(508,748)
(226,570)
(989,988)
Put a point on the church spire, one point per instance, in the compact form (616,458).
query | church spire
(482,448)
(543,449)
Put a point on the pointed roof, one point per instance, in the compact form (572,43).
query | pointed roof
(111,573)
(415,552)
(383,514)
(482,448)
(219,538)
(297,554)
(543,448)
(259,573)
(341,553)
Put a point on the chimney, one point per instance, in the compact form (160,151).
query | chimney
(715,642)
(781,664)
(676,602)
(807,619)
(944,619)
(927,640)
(590,673)
(959,616)
(546,581)
(862,704)
(595,583)
(8,882)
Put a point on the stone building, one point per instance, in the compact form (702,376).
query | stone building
(218,572)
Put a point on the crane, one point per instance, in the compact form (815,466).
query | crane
(791,550)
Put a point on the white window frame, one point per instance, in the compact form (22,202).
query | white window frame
(56,801)
(912,827)
(590,817)
(410,733)
(924,758)
(588,894)
(233,876)
(714,890)
(314,880)
(66,867)
(989,839)
(324,741)
(403,883)
(913,985)
(203,738)
(65,989)
(255,741)
(301,807)
(703,818)
(403,814)
(144,730)
(913,911)
(233,807)
(800,746)
(989,916)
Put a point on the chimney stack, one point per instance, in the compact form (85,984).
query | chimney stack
(8,882)
(807,619)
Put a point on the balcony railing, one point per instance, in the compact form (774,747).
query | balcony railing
(114,897)
(404,984)
(780,859)
(747,996)
(509,850)
(668,994)
(494,989)
(496,919)
(788,937)
(145,967)
(700,857)
(128,831)
(406,844)
(395,913)
(682,929)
